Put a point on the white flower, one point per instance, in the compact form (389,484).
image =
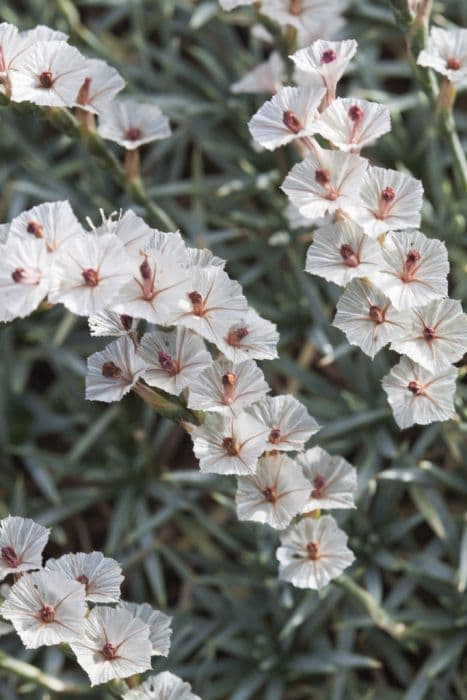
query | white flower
(297,220)
(288,423)
(213,302)
(41,32)
(418,396)
(250,337)
(21,544)
(163,686)
(159,279)
(132,124)
(324,182)
(313,553)
(388,200)
(174,359)
(4,233)
(325,62)
(446,53)
(158,623)
(133,232)
(265,77)
(114,371)
(291,114)
(45,609)
(229,445)
(108,323)
(88,273)
(333,480)
(227,388)
(313,19)
(340,252)
(49,74)
(231,4)
(24,277)
(10,46)
(415,269)
(52,222)
(437,336)
(276,493)
(367,317)
(115,644)
(100,576)
(202,257)
(352,124)
(100,86)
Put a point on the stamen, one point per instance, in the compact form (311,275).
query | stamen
(415,387)
(111,371)
(355,113)
(46,79)
(18,275)
(388,194)
(36,229)
(91,277)
(84,580)
(228,383)
(275,436)
(109,651)
(322,176)
(410,265)
(134,133)
(453,63)
(270,494)
(230,445)
(376,314)
(47,613)
(319,482)
(168,363)
(387,198)
(429,333)
(22,276)
(292,122)
(313,551)
(349,256)
(197,301)
(328,56)
(10,556)
(236,335)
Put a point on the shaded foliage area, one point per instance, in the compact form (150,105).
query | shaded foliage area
(121,479)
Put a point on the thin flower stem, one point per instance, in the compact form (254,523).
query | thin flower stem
(32,674)
(415,29)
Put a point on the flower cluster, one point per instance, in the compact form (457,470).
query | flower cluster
(367,238)
(300,21)
(75,600)
(165,305)
(39,66)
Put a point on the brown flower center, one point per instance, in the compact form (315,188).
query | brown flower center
(47,613)
(236,335)
(387,198)
(168,364)
(322,176)
(415,387)
(292,122)
(36,229)
(46,79)
(197,302)
(429,333)
(410,265)
(228,384)
(376,314)
(111,371)
(313,551)
(134,133)
(349,256)
(328,56)
(10,556)
(319,482)
(270,494)
(295,7)
(275,436)
(453,63)
(355,113)
(91,277)
(230,445)
(18,275)
(109,651)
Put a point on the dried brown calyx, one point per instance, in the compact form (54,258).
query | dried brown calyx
(377,314)
(230,445)
(84,92)
(313,550)
(10,557)
(46,79)
(91,277)
(291,121)
(319,483)
(111,371)
(349,256)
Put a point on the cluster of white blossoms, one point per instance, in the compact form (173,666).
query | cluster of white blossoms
(367,217)
(75,600)
(39,66)
(301,21)
(166,305)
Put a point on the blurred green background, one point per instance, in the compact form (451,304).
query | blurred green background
(121,479)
